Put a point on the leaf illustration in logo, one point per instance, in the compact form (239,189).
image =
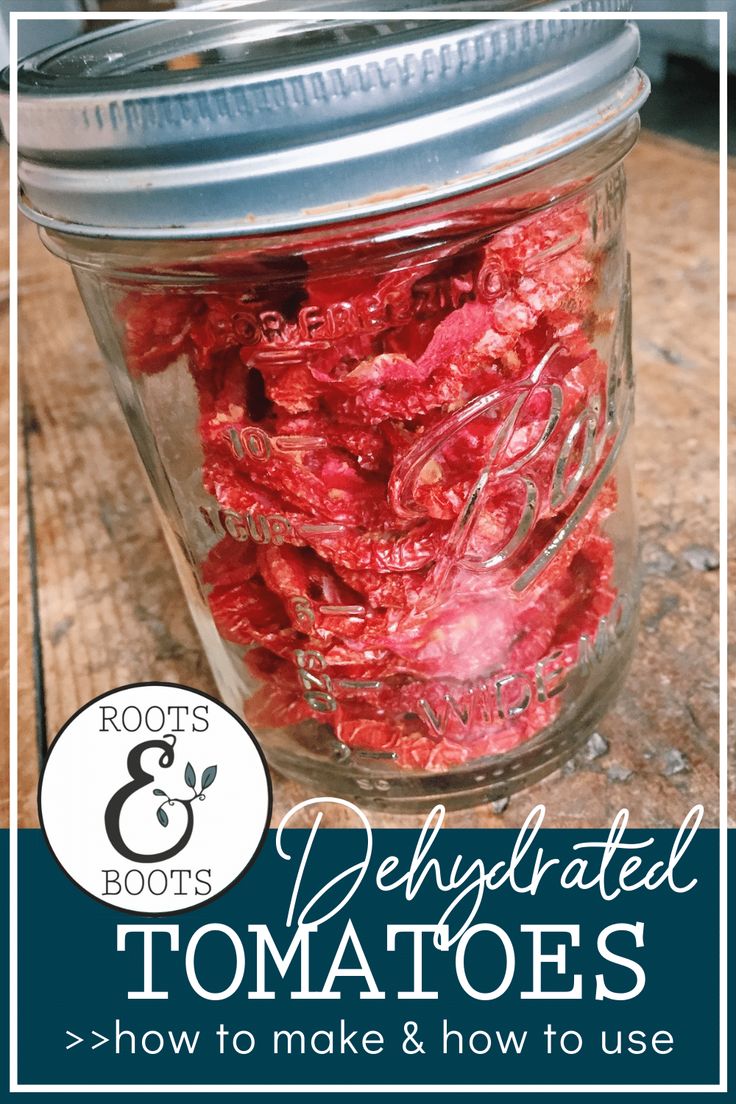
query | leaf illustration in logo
(189,776)
(163,819)
(208,776)
(159,793)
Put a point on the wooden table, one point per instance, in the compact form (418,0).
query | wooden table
(96,575)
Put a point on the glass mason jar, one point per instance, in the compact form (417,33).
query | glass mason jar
(387,435)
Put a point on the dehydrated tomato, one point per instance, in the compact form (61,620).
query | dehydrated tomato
(157,328)
(387,458)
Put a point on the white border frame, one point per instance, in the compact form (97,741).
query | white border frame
(721,17)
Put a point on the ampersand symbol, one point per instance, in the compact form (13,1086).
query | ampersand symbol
(140,777)
(410,1039)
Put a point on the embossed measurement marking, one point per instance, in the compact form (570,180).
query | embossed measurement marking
(312,665)
(359,684)
(249,526)
(326,527)
(366,753)
(304,610)
(343,611)
(254,443)
(311,668)
(259,527)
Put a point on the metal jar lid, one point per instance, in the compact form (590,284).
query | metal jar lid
(186,128)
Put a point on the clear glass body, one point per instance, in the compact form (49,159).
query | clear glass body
(391,461)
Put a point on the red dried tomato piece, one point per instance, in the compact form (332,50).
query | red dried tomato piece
(229,562)
(390,456)
(250,613)
(277,703)
(157,328)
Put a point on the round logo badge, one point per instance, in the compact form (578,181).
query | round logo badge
(155,798)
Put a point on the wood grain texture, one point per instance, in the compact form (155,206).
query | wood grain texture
(110,606)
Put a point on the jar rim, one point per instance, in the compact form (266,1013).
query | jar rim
(510,201)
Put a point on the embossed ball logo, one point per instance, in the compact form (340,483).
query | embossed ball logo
(155,798)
